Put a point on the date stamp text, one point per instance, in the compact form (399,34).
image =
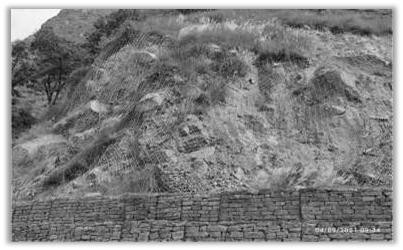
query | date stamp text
(323,230)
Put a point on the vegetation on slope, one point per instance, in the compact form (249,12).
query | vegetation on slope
(360,22)
(192,101)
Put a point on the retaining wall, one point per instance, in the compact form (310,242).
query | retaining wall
(301,215)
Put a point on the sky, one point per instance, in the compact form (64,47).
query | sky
(25,22)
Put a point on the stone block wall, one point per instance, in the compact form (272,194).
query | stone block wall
(291,215)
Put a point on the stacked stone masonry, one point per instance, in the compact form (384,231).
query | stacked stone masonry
(301,215)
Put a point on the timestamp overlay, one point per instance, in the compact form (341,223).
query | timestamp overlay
(358,231)
(349,230)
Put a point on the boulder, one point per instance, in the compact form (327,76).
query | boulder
(267,107)
(259,158)
(111,122)
(151,101)
(192,126)
(184,131)
(193,143)
(178,79)
(100,108)
(330,82)
(162,156)
(83,138)
(200,166)
(215,48)
(193,135)
(202,153)
(239,173)
(193,93)
(334,109)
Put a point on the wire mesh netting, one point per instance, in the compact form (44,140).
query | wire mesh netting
(290,107)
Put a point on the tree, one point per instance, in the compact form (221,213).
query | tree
(21,66)
(19,52)
(56,59)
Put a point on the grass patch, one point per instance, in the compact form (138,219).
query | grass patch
(280,45)
(361,22)
(212,52)
(298,176)
(339,21)
(161,76)
(230,66)
(221,35)
(81,163)
(283,47)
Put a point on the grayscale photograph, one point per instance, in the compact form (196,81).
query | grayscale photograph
(150,125)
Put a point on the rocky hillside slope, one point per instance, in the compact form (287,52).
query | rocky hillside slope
(219,101)
(74,24)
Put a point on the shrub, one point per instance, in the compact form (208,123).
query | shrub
(217,91)
(160,75)
(298,176)
(230,66)
(35,131)
(21,120)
